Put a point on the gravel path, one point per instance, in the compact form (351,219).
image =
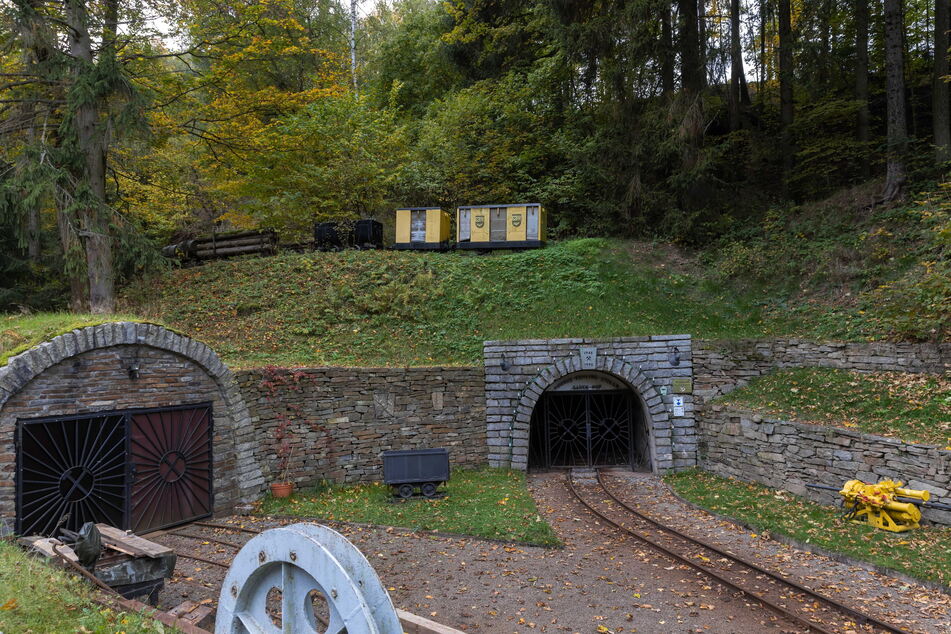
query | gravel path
(598,582)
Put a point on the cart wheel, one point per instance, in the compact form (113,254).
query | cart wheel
(429,489)
(405,491)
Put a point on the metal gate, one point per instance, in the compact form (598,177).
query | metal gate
(170,467)
(135,469)
(574,429)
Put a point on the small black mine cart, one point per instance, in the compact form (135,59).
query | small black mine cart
(406,469)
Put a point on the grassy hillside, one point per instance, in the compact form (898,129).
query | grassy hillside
(399,308)
(912,407)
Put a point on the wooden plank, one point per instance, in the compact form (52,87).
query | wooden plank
(413,624)
(131,544)
(197,615)
(44,545)
(183,608)
(131,605)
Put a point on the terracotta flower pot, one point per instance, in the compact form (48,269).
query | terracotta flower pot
(282,489)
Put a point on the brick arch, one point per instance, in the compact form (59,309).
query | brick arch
(23,368)
(653,404)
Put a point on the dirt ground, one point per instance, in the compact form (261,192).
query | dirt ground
(598,582)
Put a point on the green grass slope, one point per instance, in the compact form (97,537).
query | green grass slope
(912,407)
(398,308)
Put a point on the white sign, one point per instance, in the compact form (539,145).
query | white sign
(678,406)
(587,381)
(589,357)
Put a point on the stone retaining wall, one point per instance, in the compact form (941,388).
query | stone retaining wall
(787,455)
(720,366)
(342,419)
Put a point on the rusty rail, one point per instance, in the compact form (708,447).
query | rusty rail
(781,611)
(861,617)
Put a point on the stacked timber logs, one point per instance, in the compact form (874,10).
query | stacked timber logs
(223,245)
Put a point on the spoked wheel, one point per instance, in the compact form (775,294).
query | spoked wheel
(405,491)
(429,489)
(301,562)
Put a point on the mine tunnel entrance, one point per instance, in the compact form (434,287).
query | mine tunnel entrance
(589,419)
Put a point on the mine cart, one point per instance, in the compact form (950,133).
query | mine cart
(332,236)
(510,226)
(422,228)
(368,234)
(405,470)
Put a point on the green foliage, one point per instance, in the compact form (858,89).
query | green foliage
(490,503)
(401,308)
(924,553)
(911,407)
(336,158)
(829,156)
(849,268)
(408,65)
(35,597)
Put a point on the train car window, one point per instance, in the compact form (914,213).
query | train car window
(417,226)
(531,228)
(465,229)
(497,222)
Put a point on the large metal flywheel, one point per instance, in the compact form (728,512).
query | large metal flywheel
(297,563)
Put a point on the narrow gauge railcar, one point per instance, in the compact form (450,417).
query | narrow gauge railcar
(422,228)
(516,226)
(348,234)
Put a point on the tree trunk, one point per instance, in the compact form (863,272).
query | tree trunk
(736,69)
(763,74)
(667,54)
(35,40)
(90,137)
(863,119)
(786,86)
(895,100)
(691,69)
(940,107)
(701,13)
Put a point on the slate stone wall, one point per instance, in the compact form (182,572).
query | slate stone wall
(87,371)
(518,372)
(340,420)
(788,455)
(721,366)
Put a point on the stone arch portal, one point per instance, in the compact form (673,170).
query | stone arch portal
(650,410)
(120,366)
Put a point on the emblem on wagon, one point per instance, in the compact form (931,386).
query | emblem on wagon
(516,220)
(480,221)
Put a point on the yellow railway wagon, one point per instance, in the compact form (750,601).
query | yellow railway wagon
(518,226)
(422,228)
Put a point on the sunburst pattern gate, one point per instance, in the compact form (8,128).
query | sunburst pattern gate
(573,429)
(135,469)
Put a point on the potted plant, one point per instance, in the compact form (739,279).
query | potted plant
(283,487)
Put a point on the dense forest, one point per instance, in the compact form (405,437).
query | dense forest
(129,123)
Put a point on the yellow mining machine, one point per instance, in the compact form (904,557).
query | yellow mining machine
(885,505)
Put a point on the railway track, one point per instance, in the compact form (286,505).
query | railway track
(771,590)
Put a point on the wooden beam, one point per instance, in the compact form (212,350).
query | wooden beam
(131,544)
(413,624)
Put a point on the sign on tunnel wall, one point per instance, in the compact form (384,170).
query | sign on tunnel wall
(587,381)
